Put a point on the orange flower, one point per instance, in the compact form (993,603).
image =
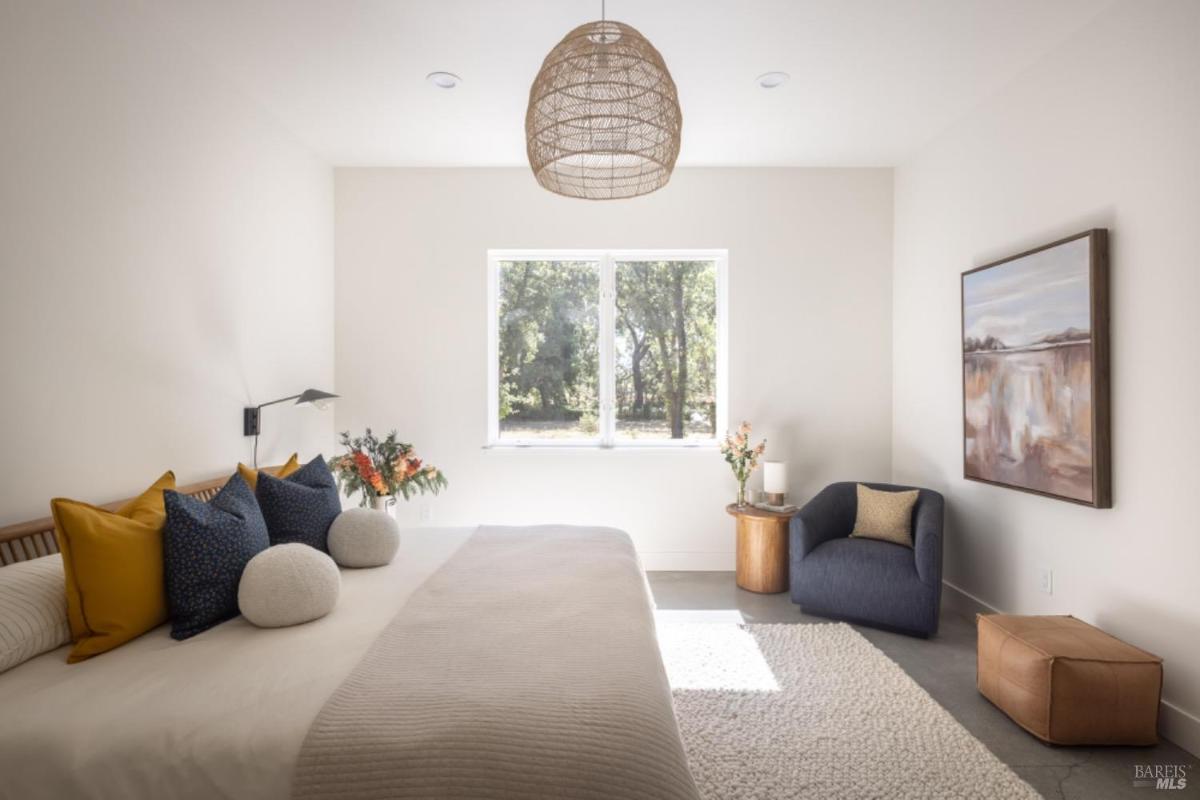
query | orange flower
(368,473)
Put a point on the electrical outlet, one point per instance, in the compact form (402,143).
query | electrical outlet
(426,514)
(1046,580)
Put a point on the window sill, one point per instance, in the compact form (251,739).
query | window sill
(642,447)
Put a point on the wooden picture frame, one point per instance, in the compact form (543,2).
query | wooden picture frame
(1035,371)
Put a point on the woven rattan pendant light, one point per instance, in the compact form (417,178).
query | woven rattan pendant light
(603,121)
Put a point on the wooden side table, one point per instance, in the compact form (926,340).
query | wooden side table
(762,548)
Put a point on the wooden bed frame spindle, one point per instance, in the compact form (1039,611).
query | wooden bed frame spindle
(23,541)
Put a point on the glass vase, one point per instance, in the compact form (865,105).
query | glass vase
(741,495)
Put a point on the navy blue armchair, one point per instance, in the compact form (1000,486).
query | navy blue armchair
(866,580)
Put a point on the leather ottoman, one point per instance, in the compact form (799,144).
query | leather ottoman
(1067,682)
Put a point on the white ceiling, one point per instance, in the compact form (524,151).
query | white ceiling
(872,80)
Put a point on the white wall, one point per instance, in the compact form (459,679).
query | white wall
(810,323)
(167,257)
(1104,132)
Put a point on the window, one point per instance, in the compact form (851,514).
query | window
(606,348)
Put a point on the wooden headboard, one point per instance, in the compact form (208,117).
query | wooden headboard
(35,538)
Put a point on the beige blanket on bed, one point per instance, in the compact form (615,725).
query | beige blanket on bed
(526,667)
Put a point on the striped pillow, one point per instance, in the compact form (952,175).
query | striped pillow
(33,610)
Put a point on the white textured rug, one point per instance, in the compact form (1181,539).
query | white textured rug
(774,712)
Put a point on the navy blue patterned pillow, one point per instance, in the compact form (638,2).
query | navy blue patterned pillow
(205,548)
(300,507)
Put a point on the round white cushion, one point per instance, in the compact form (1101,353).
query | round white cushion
(363,537)
(288,584)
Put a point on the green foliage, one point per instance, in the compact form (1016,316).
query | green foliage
(549,356)
(383,467)
(665,343)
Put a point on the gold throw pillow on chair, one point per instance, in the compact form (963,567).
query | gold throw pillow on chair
(886,516)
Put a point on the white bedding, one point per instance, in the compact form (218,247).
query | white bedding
(220,715)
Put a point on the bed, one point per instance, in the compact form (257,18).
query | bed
(482,663)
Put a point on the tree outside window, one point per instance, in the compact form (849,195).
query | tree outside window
(607,348)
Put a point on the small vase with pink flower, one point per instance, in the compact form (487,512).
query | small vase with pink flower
(742,458)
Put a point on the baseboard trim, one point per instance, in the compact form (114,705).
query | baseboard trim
(959,599)
(1181,727)
(687,561)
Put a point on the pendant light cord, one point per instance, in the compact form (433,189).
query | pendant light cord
(603,16)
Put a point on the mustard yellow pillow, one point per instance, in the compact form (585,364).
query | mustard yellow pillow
(113,565)
(885,515)
(250,475)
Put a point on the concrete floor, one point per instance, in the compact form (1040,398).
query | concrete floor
(945,667)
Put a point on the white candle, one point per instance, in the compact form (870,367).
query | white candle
(775,477)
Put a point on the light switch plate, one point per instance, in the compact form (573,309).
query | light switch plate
(1046,580)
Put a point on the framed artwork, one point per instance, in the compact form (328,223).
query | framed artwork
(1035,371)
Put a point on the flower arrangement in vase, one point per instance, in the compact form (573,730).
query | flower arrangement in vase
(742,457)
(381,469)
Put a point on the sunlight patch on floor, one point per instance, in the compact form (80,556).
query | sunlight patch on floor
(729,616)
(713,655)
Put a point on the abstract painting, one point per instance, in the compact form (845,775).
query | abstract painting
(1035,371)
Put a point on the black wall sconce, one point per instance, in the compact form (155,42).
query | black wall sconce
(252,415)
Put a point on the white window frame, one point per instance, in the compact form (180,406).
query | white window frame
(607,259)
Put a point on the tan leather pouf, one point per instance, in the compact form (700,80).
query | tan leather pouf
(1067,682)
